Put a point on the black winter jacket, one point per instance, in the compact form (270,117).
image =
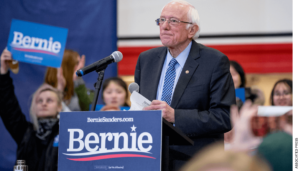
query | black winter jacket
(39,155)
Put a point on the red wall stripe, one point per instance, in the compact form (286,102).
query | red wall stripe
(254,58)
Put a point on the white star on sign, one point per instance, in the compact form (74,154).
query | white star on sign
(133,128)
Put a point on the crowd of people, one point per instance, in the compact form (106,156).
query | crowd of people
(206,123)
(35,139)
(62,91)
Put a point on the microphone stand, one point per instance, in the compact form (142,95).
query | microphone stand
(97,85)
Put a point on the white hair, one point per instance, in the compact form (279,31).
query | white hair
(192,15)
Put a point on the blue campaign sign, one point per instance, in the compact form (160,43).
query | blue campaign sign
(37,43)
(240,93)
(110,140)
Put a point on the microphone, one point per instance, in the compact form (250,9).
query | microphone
(116,56)
(133,87)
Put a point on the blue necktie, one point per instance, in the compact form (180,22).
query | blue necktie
(169,82)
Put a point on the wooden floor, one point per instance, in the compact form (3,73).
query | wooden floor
(264,82)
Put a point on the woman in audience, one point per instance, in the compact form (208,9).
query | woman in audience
(115,92)
(282,93)
(239,81)
(37,141)
(255,94)
(76,95)
(238,74)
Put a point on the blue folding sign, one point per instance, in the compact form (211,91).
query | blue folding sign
(110,140)
(37,43)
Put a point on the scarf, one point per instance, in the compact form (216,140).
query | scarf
(45,128)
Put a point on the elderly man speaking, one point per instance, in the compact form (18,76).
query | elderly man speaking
(189,82)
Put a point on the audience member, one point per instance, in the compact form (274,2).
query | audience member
(243,138)
(214,158)
(37,141)
(115,92)
(253,93)
(238,74)
(76,95)
(277,149)
(239,79)
(282,93)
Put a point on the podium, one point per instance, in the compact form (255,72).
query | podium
(127,140)
(171,136)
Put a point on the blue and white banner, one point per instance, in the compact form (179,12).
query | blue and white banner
(92,31)
(37,43)
(110,140)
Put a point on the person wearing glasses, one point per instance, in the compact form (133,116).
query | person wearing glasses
(190,83)
(282,93)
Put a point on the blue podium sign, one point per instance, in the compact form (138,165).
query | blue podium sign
(37,43)
(110,140)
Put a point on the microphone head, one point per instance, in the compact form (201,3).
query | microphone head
(79,73)
(133,87)
(117,55)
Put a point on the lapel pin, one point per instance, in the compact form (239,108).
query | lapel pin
(187,71)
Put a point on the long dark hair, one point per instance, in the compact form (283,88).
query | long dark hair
(119,82)
(240,71)
(285,81)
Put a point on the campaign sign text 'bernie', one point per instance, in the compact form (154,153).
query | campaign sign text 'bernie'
(37,43)
(110,140)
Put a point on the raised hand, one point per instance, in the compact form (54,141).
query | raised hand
(5,58)
(61,81)
(243,138)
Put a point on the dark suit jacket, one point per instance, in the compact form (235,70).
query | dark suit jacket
(202,96)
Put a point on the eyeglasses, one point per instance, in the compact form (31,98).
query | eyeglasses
(172,21)
(282,94)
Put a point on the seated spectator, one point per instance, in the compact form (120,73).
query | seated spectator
(238,74)
(76,95)
(115,93)
(214,158)
(37,141)
(254,93)
(282,93)
(239,81)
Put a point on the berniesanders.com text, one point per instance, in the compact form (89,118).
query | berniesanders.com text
(113,119)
